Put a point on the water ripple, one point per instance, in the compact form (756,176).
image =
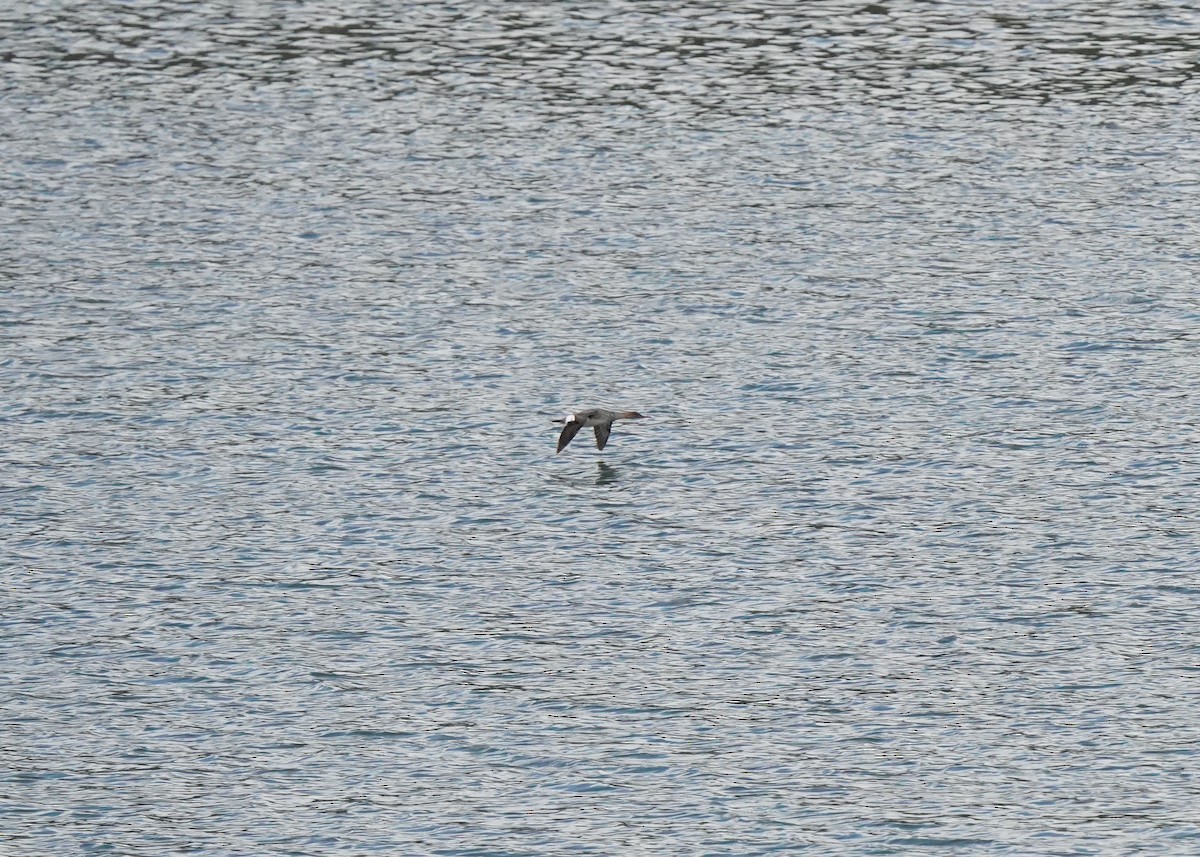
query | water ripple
(902,562)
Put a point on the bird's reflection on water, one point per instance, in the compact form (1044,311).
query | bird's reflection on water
(607,475)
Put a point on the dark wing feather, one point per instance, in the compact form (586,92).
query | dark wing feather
(602,434)
(569,431)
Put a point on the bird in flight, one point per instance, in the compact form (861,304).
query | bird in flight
(598,418)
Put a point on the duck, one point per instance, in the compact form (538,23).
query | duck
(598,418)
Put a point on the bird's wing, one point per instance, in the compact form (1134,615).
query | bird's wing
(602,431)
(570,429)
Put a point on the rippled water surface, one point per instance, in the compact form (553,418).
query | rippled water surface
(904,561)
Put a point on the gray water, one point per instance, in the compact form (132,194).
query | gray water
(904,561)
